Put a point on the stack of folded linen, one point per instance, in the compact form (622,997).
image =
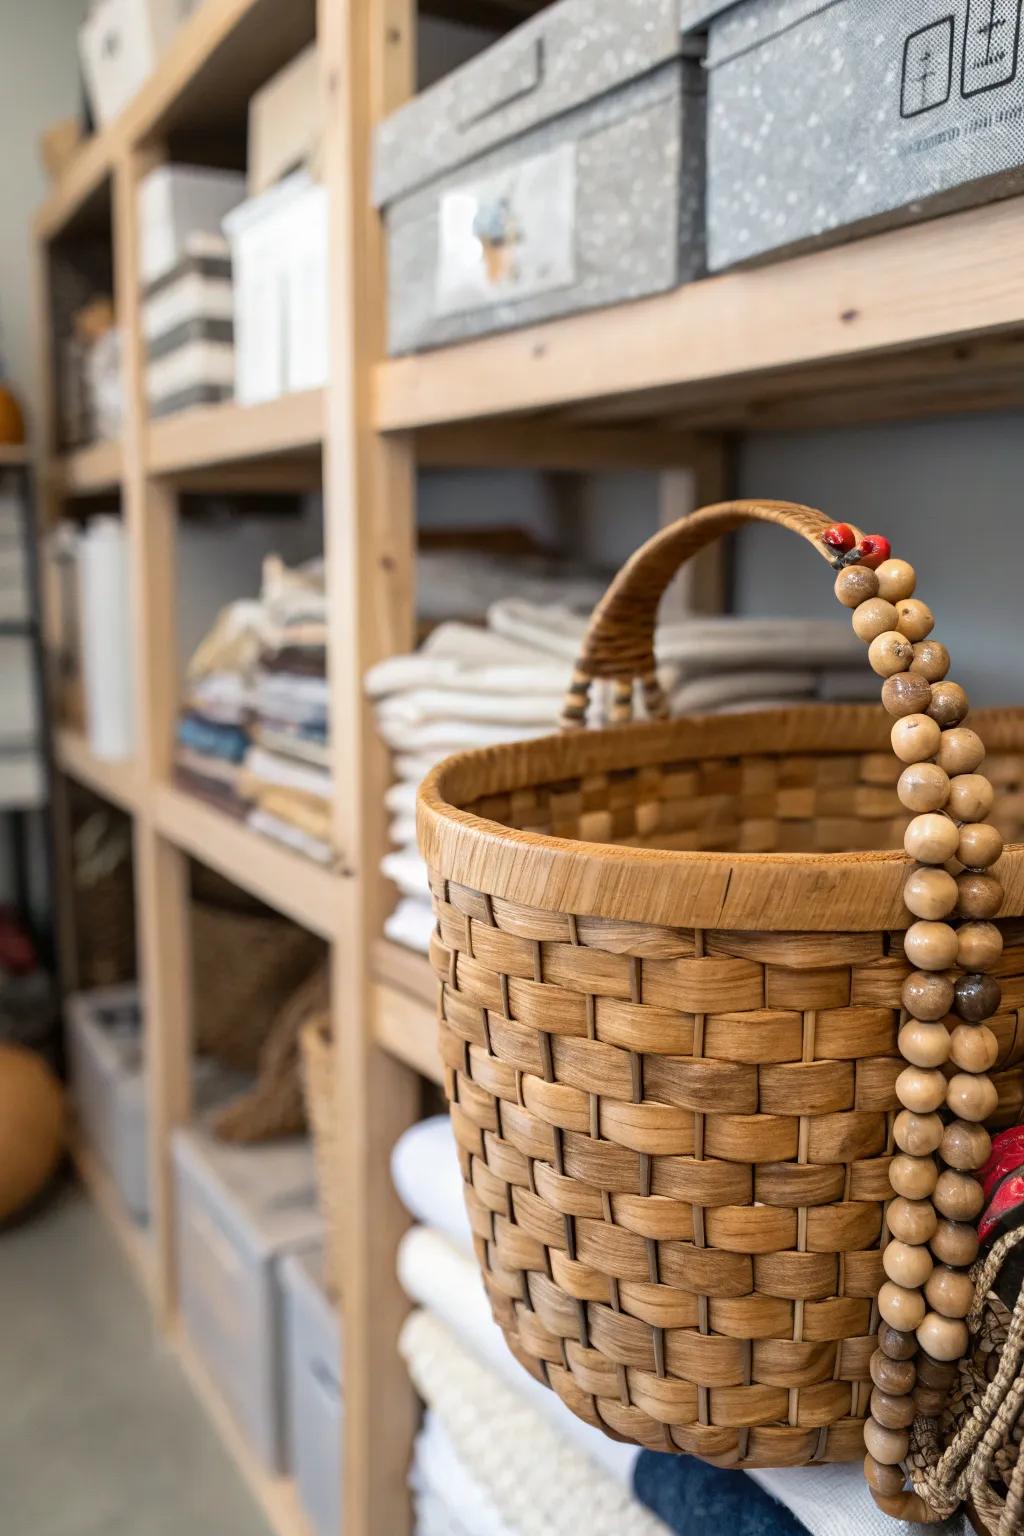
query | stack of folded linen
(469,686)
(501,1455)
(286,779)
(213,727)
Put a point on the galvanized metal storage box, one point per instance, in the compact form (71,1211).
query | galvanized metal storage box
(313,1361)
(240,1210)
(828,120)
(561,170)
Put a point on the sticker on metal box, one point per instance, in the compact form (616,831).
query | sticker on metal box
(509,235)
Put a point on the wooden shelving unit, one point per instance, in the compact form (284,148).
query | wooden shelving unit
(907,323)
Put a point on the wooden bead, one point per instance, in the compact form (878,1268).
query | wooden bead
(979,946)
(906,694)
(930,946)
(890,1411)
(856,585)
(973,1048)
(923,786)
(889,1446)
(928,997)
(945,1338)
(939,1375)
(961,750)
(931,838)
(949,1291)
(931,893)
(980,846)
(890,653)
(898,1344)
(903,1308)
(931,660)
(922,1091)
(958,1196)
(913,1177)
(915,620)
(896,1376)
(915,739)
(931,1401)
(896,579)
(971,796)
(971,1098)
(910,1221)
(924,1045)
(907,1265)
(966,1146)
(918,1134)
(977,998)
(887,1481)
(980,895)
(873,618)
(955,1242)
(949,704)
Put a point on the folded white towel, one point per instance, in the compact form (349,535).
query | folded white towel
(438,739)
(291,836)
(455,656)
(542,1484)
(404,868)
(448,1499)
(402,830)
(425,1171)
(412,923)
(288,773)
(400,798)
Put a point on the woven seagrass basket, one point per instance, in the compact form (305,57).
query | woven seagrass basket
(670,958)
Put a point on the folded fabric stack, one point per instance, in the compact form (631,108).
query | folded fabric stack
(501,1455)
(470,686)
(213,727)
(286,780)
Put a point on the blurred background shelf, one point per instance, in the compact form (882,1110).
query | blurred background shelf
(117,782)
(89,471)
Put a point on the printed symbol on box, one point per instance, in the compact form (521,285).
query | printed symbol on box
(991,43)
(496,227)
(927,68)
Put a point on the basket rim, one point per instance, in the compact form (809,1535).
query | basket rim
(778,892)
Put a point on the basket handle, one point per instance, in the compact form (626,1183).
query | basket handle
(619,644)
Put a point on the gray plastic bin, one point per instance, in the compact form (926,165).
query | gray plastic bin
(314,1371)
(828,119)
(560,170)
(240,1210)
(106,1051)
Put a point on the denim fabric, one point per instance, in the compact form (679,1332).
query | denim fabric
(697,1500)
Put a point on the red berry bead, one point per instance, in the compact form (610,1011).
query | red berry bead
(839,538)
(873,550)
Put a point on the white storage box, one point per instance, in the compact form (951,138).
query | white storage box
(105,1046)
(279,261)
(181,209)
(314,1374)
(188,321)
(240,1211)
(119,44)
(106,642)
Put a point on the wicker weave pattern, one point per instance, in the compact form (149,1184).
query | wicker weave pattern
(679,1276)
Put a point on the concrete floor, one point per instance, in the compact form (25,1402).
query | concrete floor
(100,1434)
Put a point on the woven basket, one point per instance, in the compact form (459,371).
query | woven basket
(670,962)
(321,1112)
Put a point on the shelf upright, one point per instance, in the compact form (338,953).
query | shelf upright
(367,57)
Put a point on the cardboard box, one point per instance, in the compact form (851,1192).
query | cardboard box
(286,123)
(119,44)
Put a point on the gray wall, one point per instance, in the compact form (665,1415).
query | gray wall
(948,494)
(38,85)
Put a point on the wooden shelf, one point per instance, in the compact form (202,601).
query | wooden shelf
(292,885)
(113,781)
(133,1239)
(404,1001)
(276,1496)
(81,200)
(14,455)
(912,321)
(89,471)
(229,435)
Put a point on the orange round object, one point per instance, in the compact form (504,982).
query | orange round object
(12,422)
(32,1127)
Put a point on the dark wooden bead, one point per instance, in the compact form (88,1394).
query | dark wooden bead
(930,1401)
(897,1376)
(948,705)
(890,1411)
(980,895)
(906,694)
(888,1446)
(896,1344)
(927,996)
(980,845)
(888,1481)
(976,998)
(937,1374)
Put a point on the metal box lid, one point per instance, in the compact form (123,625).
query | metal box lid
(695,14)
(265,1196)
(568,54)
(752,23)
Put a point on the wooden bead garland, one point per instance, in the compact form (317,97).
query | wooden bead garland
(944,1088)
